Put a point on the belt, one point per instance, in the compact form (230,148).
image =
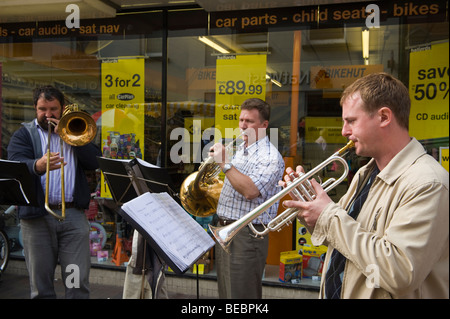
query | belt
(224,221)
(59,206)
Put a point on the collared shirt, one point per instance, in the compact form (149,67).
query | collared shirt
(54,196)
(399,245)
(262,162)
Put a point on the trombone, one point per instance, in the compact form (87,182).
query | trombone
(300,188)
(76,128)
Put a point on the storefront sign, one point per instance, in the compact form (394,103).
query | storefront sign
(201,78)
(89,29)
(122,119)
(340,76)
(429,90)
(238,78)
(260,20)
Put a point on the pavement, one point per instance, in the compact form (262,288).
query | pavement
(13,286)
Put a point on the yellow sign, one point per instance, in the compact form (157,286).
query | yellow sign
(443,157)
(122,117)
(428,89)
(238,78)
(303,237)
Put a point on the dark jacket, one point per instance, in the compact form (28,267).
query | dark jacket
(25,146)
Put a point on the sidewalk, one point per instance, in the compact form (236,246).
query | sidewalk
(108,284)
(13,286)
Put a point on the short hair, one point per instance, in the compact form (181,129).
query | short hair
(49,93)
(258,104)
(382,89)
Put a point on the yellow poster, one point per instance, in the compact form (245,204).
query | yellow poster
(428,89)
(238,78)
(122,119)
(443,157)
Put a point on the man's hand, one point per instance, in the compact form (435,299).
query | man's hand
(55,163)
(218,152)
(309,211)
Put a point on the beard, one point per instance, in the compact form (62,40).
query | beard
(43,123)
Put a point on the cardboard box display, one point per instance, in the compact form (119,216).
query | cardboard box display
(290,266)
(313,258)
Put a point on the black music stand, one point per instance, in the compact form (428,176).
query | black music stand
(128,180)
(16,184)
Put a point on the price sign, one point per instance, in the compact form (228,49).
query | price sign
(238,78)
(239,87)
(122,119)
(429,90)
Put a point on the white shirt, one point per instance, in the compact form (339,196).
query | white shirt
(54,196)
(262,162)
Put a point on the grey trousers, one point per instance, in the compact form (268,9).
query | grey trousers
(47,241)
(239,274)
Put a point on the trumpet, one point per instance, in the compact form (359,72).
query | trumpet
(76,128)
(300,188)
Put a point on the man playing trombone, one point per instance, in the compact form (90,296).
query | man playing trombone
(250,178)
(388,236)
(46,239)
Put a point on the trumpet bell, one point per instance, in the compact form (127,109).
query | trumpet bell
(223,235)
(76,128)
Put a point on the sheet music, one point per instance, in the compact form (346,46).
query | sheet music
(177,234)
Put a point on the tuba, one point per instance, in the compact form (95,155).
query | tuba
(200,191)
(76,128)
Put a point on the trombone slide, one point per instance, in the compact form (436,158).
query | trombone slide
(47,180)
(76,128)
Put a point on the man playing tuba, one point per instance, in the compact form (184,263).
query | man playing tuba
(250,179)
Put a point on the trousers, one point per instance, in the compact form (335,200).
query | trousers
(239,274)
(48,241)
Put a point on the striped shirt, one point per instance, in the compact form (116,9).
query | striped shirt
(54,196)
(262,162)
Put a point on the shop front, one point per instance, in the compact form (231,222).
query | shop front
(146,73)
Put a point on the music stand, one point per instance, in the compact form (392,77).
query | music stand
(128,179)
(16,184)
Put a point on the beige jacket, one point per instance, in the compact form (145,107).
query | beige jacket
(400,240)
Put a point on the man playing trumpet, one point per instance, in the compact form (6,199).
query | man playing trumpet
(388,236)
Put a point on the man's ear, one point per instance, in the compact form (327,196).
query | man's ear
(385,115)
